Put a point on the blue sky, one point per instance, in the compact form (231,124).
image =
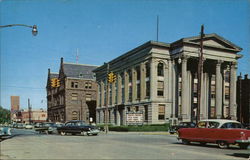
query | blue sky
(102,30)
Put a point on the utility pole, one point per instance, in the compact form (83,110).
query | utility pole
(200,73)
(29,110)
(107,96)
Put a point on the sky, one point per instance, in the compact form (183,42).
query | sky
(102,30)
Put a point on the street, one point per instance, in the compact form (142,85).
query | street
(26,144)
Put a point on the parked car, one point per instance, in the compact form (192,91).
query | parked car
(47,127)
(29,126)
(220,131)
(20,126)
(4,132)
(173,129)
(78,127)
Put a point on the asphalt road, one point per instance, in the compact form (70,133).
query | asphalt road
(26,144)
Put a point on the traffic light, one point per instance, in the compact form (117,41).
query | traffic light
(53,82)
(111,77)
(57,82)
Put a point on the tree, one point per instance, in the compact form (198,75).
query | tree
(4,115)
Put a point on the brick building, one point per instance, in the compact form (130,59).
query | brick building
(243,99)
(34,116)
(15,107)
(75,98)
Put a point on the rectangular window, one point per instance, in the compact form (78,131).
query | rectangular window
(130,93)
(74,84)
(88,97)
(138,91)
(160,88)
(148,89)
(146,113)
(161,112)
(74,96)
(88,85)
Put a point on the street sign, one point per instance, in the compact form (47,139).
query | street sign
(134,118)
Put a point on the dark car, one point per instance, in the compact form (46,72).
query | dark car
(78,127)
(173,129)
(47,127)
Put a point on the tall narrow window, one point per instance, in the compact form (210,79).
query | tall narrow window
(148,89)
(147,70)
(160,70)
(161,112)
(138,91)
(160,88)
(146,113)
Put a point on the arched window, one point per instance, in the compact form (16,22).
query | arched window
(160,70)
(74,115)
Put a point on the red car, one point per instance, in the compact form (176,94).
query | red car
(220,131)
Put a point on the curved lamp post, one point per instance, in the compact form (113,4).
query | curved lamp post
(34,27)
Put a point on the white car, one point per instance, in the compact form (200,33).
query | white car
(28,126)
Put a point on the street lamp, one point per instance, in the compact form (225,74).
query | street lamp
(34,27)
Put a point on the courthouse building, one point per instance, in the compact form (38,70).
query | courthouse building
(160,80)
(75,97)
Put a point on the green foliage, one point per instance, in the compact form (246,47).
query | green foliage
(142,128)
(4,115)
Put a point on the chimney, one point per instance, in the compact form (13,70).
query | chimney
(246,76)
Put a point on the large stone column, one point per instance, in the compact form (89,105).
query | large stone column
(233,79)
(189,93)
(218,93)
(153,79)
(134,94)
(204,97)
(142,81)
(184,90)
(173,86)
(126,80)
(119,89)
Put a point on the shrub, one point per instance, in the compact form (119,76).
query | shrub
(142,128)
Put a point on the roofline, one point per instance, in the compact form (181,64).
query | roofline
(137,49)
(80,64)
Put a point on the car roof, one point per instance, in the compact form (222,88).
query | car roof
(75,121)
(219,120)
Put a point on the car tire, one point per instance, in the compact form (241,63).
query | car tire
(63,133)
(186,142)
(243,146)
(223,144)
(84,133)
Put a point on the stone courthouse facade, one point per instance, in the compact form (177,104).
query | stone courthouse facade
(160,80)
(75,98)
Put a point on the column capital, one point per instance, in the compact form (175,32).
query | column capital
(219,62)
(185,57)
(234,65)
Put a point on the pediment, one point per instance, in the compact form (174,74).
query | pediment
(214,40)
